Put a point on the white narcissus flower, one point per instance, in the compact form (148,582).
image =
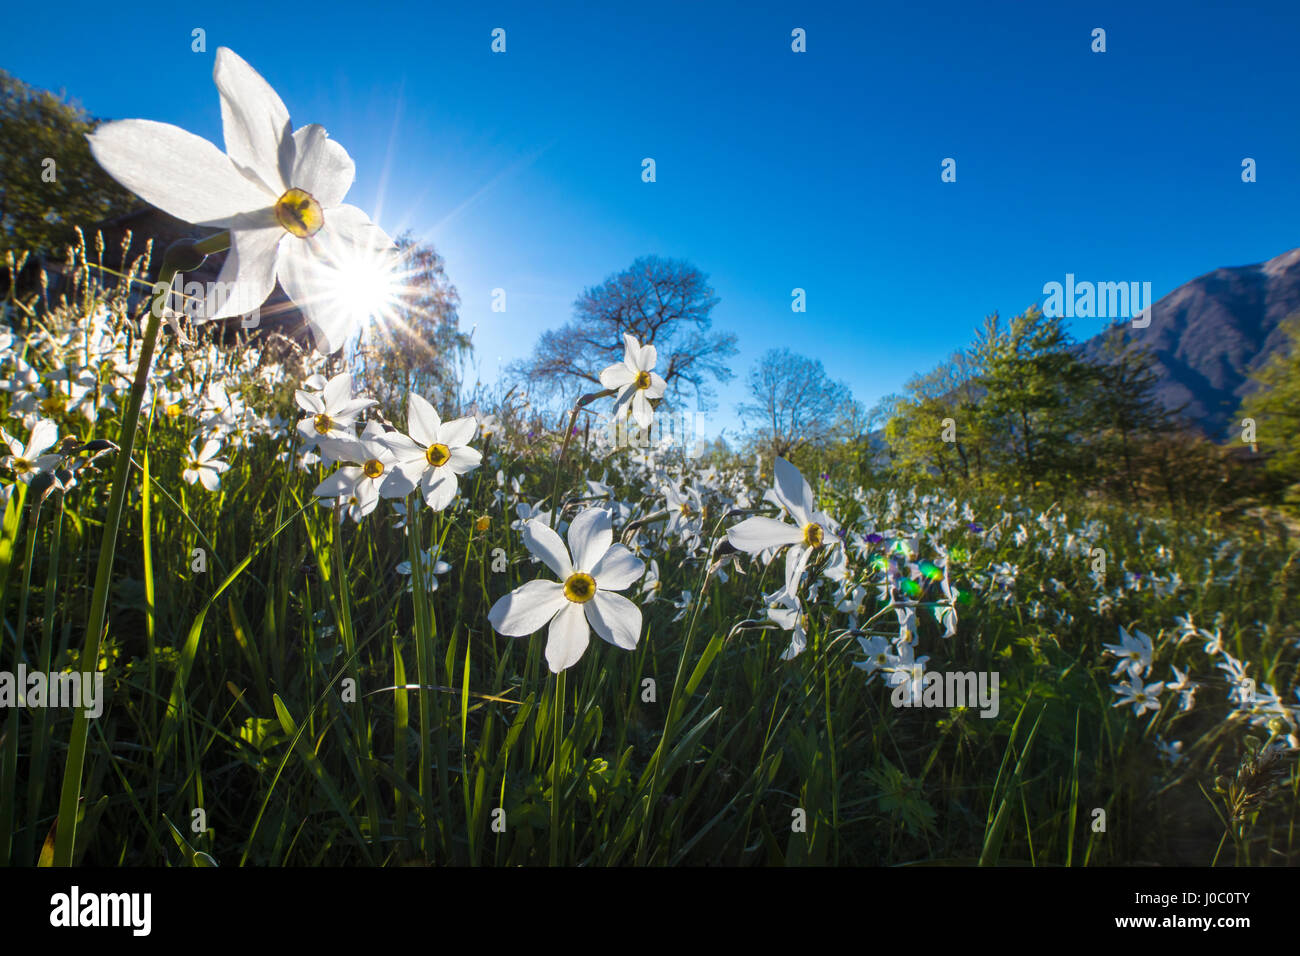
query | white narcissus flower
(436,453)
(786,612)
(1142,698)
(278,190)
(584,601)
(27,462)
(360,488)
(332,411)
(758,534)
(1134,653)
(204,466)
(636,381)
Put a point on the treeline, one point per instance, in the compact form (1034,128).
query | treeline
(1027,408)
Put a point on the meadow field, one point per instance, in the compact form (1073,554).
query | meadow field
(327,639)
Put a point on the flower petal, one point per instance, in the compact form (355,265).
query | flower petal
(464,459)
(339,484)
(615,619)
(793,492)
(525,609)
(458,432)
(254,120)
(44,434)
(321,166)
(422,420)
(180,173)
(641,410)
(618,569)
(617,376)
(248,274)
(349,226)
(590,536)
(544,543)
(439,489)
(760,533)
(307,280)
(567,637)
(309,402)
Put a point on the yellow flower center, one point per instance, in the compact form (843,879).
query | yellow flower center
(686,508)
(52,405)
(22,466)
(373,468)
(173,410)
(299,213)
(812,534)
(482,523)
(642,380)
(193,465)
(323,423)
(580,588)
(437,455)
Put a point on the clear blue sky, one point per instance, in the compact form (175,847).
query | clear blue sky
(775,169)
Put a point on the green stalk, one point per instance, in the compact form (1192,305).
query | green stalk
(40,743)
(423,655)
(557,721)
(181,256)
(9,759)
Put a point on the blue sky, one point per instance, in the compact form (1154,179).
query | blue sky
(775,170)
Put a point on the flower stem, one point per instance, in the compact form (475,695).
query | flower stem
(557,721)
(181,256)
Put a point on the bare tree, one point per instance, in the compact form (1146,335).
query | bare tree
(795,403)
(663,302)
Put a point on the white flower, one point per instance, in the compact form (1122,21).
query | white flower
(432,565)
(786,612)
(27,462)
(1184,687)
(880,656)
(1134,653)
(1142,698)
(909,672)
(360,488)
(332,412)
(636,380)
(203,466)
(758,534)
(436,453)
(278,190)
(584,601)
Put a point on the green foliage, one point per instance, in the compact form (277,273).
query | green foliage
(1275,405)
(41,204)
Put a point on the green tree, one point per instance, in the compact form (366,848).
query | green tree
(49,182)
(935,427)
(1127,418)
(1034,383)
(1274,405)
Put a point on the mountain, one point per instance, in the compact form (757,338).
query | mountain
(1209,334)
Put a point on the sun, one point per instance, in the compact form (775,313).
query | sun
(365,285)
